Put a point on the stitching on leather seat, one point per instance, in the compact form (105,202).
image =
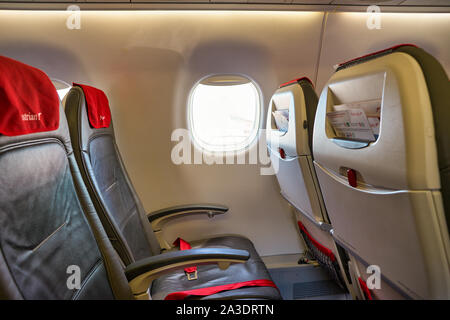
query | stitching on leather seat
(50,236)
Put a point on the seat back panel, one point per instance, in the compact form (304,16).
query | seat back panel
(389,216)
(405,150)
(358,218)
(295,174)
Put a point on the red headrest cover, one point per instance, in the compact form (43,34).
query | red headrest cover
(29,102)
(97,106)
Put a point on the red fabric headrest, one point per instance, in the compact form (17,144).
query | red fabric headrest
(97,106)
(29,102)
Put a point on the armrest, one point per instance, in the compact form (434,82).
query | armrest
(141,273)
(157,217)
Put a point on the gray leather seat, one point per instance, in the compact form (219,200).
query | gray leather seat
(126,221)
(47,221)
(52,243)
(211,276)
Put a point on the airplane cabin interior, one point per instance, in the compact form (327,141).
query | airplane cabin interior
(225,150)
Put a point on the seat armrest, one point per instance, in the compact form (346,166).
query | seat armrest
(156,217)
(159,217)
(141,273)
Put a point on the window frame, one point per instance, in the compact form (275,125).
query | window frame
(253,137)
(58,82)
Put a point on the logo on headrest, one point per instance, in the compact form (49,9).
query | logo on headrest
(31,117)
(102,118)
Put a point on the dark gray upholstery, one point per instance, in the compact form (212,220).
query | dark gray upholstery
(117,204)
(209,275)
(125,220)
(47,223)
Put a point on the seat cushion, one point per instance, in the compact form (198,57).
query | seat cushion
(211,275)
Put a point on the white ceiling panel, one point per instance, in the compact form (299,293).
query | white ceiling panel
(426,3)
(368,2)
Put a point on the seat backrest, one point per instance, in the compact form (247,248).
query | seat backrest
(48,226)
(381,153)
(102,169)
(290,122)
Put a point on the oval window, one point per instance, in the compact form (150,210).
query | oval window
(224,113)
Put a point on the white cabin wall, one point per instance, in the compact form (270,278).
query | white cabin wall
(147,62)
(347,36)
(255,44)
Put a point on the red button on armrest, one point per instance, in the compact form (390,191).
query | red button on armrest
(282,153)
(351,176)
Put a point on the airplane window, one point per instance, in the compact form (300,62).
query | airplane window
(224,113)
(62,87)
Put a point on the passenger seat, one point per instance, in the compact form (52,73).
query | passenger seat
(52,244)
(290,146)
(47,221)
(128,225)
(384,172)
